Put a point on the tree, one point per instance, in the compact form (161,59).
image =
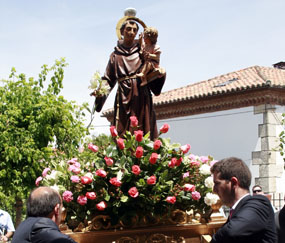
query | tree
(282,139)
(35,123)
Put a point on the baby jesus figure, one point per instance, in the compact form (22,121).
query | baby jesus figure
(151,54)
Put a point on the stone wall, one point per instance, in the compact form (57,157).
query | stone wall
(271,165)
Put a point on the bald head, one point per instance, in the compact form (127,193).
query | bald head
(42,202)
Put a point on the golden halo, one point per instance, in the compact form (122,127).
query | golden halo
(122,20)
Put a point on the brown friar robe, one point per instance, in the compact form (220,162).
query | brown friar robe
(131,98)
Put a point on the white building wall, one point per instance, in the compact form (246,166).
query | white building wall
(222,134)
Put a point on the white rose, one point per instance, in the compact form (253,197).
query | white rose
(209,182)
(205,169)
(211,198)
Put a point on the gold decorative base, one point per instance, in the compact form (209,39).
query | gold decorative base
(175,233)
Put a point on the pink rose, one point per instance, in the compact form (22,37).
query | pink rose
(67,196)
(170,199)
(82,200)
(133,192)
(38,180)
(139,135)
(172,163)
(86,180)
(74,178)
(91,195)
(45,171)
(134,121)
(71,161)
(113,131)
(76,164)
(153,158)
(121,143)
(204,159)
(196,195)
(101,173)
(101,206)
(164,128)
(74,169)
(93,147)
(139,152)
(185,148)
(151,180)
(136,169)
(192,157)
(109,161)
(178,161)
(114,181)
(157,144)
(189,187)
(186,175)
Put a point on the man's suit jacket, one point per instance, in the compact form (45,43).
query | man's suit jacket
(39,230)
(252,221)
(280,217)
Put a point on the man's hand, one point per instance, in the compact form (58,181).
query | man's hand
(4,238)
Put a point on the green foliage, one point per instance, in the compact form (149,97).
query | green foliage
(34,120)
(282,139)
(7,203)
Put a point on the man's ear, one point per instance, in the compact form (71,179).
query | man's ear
(57,209)
(234,181)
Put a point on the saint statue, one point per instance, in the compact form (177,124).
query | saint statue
(132,98)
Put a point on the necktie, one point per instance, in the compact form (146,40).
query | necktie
(231,213)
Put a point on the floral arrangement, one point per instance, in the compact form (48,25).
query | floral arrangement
(128,177)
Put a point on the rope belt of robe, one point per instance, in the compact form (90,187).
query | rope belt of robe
(127,77)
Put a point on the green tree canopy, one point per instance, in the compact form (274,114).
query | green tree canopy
(35,121)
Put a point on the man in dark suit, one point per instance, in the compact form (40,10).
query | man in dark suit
(280,224)
(251,217)
(44,207)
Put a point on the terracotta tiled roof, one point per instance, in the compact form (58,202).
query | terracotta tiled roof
(245,79)
(247,87)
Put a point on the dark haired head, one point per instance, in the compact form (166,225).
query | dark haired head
(255,186)
(42,202)
(233,167)
(128,22)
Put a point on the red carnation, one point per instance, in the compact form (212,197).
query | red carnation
(164,128)
(139,135)
(121,143)
(153,158)
(113,131)
(134,121)
(139,152)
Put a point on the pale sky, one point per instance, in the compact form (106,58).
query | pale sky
(199,39)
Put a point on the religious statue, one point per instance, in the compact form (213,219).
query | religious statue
(132,98)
